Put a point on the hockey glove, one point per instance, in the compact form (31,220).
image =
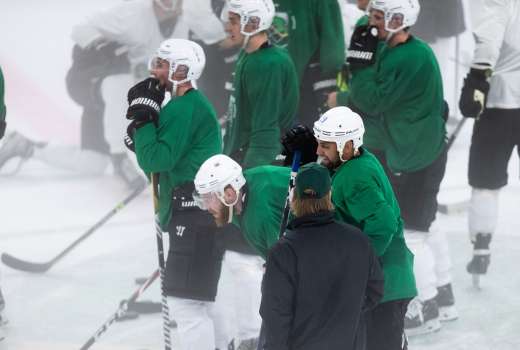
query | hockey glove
(473,96)
(363,46)
(299,138)
(145,99)
(3,124)
(130,133)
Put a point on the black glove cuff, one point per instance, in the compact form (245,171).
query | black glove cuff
(148,102)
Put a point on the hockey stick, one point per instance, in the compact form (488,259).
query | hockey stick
(24,265)
(123,306)
(162,264)
(459,206)
(455,133)
(294,169)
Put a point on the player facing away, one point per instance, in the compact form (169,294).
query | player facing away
(172,142)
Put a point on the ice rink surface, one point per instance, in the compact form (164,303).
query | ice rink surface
(43,210)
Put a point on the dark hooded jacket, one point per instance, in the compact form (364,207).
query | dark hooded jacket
(319,278)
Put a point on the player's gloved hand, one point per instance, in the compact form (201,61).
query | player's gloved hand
(474,91)
(299,138)
(145,100)
(130,133)
(363,46)
(3,124)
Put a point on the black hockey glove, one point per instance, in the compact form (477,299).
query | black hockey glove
(130,133)
(145,99)
(299,138)
(473,96)
(3,124)
(363,46)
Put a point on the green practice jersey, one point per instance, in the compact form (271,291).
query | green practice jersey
(404,87)
(188,133)
(374,136)
(263,206)
(307,28)
(363,197)
(262,106)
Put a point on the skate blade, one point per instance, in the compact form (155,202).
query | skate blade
(475,279)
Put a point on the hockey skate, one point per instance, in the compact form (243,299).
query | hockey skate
(127,171)
(16,145)
(422,317)
(481,258)
(446,303)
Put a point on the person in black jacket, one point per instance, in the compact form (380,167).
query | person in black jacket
(320,276)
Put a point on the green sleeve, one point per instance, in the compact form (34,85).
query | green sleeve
(2,103)
(362,21)
(159,149)
(369,207)
(332,43)
(265,96)
(377,91)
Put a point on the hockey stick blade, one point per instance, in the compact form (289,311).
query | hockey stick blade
(28,266)
(24,265)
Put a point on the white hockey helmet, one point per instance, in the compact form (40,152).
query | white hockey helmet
(340,125)
(217,173)
(182,52)
(259,12)
(404,11)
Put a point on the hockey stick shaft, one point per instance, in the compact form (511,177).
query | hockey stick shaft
(455,133)
(28,266)
(162,264)
(122,308)
(294,169)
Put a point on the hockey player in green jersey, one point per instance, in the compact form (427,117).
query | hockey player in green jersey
(253,199)
(404,87)
(312,32)
(172,142)
(363,197)
(265,97)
